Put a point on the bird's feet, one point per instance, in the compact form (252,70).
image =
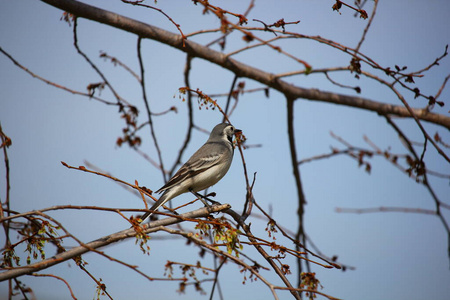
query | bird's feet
(205,198)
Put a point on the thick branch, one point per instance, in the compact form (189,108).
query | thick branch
(106,240)
(239,69)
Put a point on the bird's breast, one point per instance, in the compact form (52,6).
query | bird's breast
(209,177)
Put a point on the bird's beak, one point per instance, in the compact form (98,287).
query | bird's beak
(237,131)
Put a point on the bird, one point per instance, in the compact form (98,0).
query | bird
(205,167)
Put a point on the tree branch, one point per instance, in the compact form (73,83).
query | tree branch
(239,69)
(109,239)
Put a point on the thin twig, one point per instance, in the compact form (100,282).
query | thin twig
(385,209)
(138,3)
(147,107)
(59,278)
(100,73)
(227,106)
(300,235)
(90,96)
(366,29)
(187,139)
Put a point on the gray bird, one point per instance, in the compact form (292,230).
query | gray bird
(205,167)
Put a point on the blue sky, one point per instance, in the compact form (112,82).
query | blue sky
(396,255)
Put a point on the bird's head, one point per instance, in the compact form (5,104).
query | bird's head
(224,130)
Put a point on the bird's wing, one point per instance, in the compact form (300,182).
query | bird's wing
(199,162)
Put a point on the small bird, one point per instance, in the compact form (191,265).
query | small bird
(205,167)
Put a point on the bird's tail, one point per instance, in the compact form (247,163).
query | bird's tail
(163,199)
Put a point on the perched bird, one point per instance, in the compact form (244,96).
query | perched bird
(205,167)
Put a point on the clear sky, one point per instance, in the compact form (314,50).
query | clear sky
(395,255)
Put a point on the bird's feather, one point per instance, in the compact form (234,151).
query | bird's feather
(196,164)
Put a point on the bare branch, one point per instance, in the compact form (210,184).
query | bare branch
(147,107)
(242,70)
(59,278)
(89,95)
(386,209)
